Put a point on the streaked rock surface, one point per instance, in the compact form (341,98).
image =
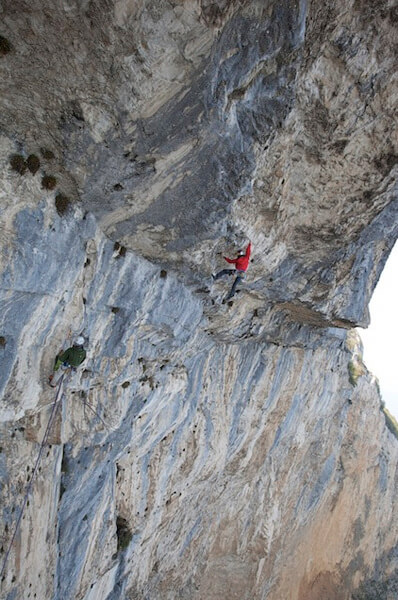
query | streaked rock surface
(205,451)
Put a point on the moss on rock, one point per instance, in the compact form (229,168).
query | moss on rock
(62,204)
(5,46)
(48,182)
(47,154)
(123,533)
(18,163)
(33,163)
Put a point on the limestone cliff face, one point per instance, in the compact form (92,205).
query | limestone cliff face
(205,451)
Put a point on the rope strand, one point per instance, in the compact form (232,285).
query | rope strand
(29,487)
(85,403)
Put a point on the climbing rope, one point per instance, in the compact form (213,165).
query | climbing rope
(85,403)
(34,472)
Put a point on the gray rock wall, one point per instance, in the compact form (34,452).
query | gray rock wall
(203,451)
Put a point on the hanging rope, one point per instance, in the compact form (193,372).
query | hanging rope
(85,403)
(35,469)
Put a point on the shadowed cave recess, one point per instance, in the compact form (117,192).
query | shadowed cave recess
(204,450)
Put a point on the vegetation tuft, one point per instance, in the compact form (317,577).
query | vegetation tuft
(33,163)
(5,46)
(18,163)
(356,368)
(62,204)
(123,533)
(47,154)
(391,422)
(353,373)
(3,341)
(48,182)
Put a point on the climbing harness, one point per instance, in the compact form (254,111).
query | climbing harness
(54,409)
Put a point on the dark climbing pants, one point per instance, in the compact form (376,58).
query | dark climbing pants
(238,279)
(224,272)
(233,288)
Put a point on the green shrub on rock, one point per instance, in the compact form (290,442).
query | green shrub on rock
(33,163)
(48,182)
(62,204)
(5,46)
(47,154)
(123,533)
(18,163)
(391,422)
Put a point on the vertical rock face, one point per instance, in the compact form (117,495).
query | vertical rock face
(204,450)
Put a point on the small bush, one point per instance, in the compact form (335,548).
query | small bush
(2,341)
(33,163)
(48,182)
(18,163)
(391,422)
(125,384)
(123,533)
(355,369)
(47,154)
(62,204)
(5,46)
(163,274)
(352,373)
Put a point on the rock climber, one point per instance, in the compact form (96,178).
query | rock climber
(72,357)
(241,263)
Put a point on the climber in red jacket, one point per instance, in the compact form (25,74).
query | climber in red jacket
(241,263)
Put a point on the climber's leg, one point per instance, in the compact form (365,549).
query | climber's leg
(53,380)
(222,273)
(233,288)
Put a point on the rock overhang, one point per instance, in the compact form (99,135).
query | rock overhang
(293,149)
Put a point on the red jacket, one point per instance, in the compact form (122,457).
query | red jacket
(242,262)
